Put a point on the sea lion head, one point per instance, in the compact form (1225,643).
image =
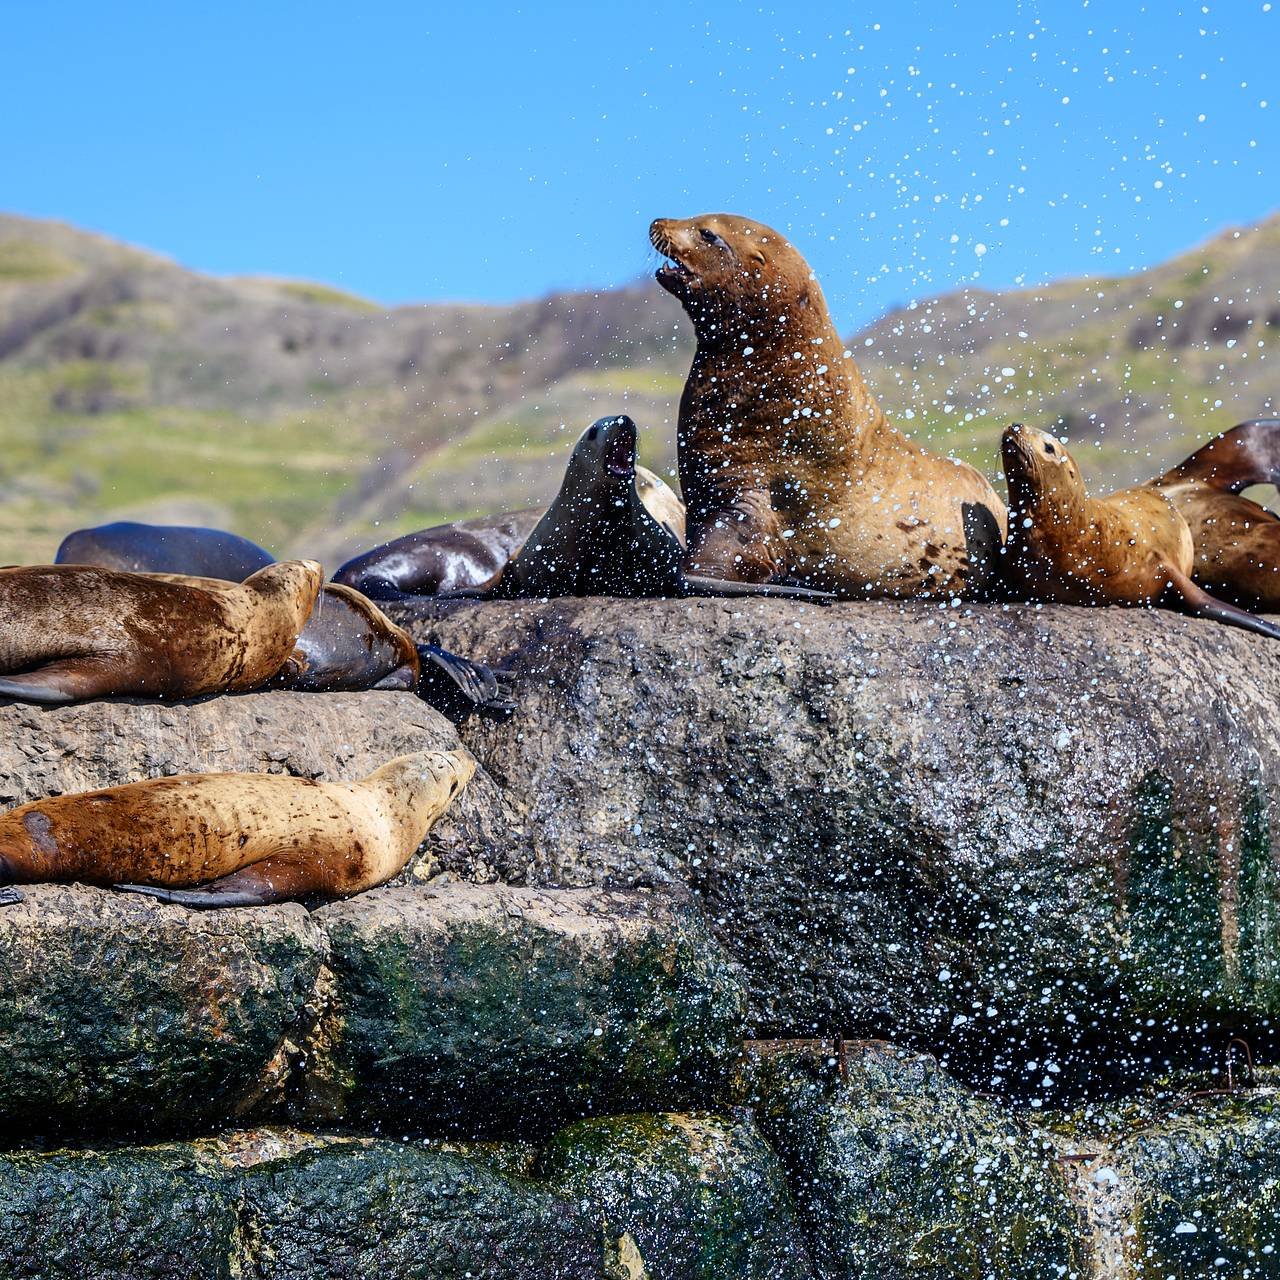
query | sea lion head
(1041,474)
(605,456)
(723,267)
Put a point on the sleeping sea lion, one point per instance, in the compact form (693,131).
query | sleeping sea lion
(164,548)
(789,468)
(599,539)
(248,838)
(349,644)
(471,553)
(1237,542)
(1131,548)
(75,631)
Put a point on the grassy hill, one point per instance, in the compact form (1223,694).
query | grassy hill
(313,420)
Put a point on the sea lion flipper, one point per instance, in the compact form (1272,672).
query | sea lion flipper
(1246,455)
(270,880)
(456,686)
(1198,601)
(696,584)
(62,681)
(10,897)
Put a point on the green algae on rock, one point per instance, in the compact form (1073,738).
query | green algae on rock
(476,1010)
(409,1212)
(153,1212)
(121,1013)
(899,1171)
(701,1196)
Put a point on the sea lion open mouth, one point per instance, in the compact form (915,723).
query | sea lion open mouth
(620,452)
(674,276)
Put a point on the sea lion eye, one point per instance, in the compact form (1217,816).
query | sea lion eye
(1048,448)
(709,236)
(591,435)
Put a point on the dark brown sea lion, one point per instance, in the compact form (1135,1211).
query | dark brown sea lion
(470,553)
(73,631)
(249,838)
(1237,542)
(447,557)
(159,548)
(599,539)
(1131,548)
(789,468)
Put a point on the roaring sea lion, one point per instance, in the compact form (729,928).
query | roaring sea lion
(248,838)
(161,548)
(599,539)
(471,553)
(789,468)
(1237,542)
(74,631)
(1131,548)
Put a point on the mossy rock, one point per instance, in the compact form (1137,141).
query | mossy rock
(124,1015)
(902,1174)
(1205,1186)
(702,1196)
(488,1009)
(409,1212)
(134,1214)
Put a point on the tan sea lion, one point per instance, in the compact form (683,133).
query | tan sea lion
(598,538)
(69,632)
(248,838)
(469,554)
(789,468)
(1237,542)
(1131,548)
(349,644)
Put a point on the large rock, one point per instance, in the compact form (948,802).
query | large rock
(461,1007)
(702,1197)
(46,751)
(120,1012)
(1003,829)
(902,1174)
(286,1206)
(1187,1185)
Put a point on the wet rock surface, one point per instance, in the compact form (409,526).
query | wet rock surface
(123,1014)
(702,1197)
(996,829)
(475,1008)
(899,1171)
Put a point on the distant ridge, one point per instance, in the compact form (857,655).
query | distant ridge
(311,418)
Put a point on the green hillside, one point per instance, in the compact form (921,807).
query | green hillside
(315,421)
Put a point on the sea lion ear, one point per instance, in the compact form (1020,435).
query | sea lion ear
(804,297)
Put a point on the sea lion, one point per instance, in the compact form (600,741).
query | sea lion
(599,539)
(1237,542)
(159,548)
(75,631)
(789,468)
(1131,548)
(470,553)
(248,838)
(349,644)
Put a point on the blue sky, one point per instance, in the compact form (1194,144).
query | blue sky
(496,151)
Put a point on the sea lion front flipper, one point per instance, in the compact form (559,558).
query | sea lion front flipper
(10,897)
(403,679)
(1196,600)
(697,584)
(64,680)
(271,880)
(456,686)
